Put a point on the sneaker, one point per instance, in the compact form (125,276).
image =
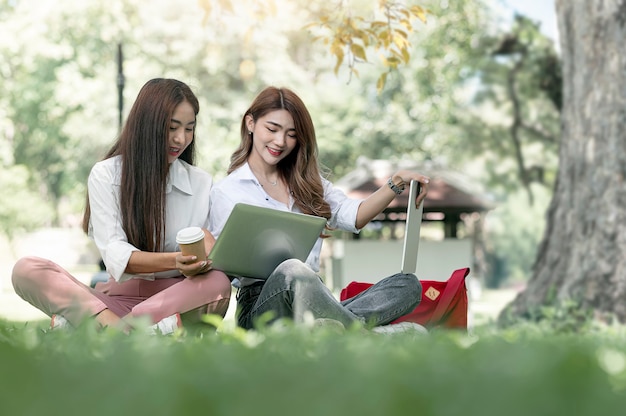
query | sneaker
(167,325)
(57,321)
(401,327)
(332,324)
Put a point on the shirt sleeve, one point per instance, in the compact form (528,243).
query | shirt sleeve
(343,209)
(221,206)
(106,223)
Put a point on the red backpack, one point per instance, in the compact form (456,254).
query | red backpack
(443,304)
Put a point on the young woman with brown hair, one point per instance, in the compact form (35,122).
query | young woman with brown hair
(276,166)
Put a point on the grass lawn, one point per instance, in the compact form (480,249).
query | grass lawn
(524,370)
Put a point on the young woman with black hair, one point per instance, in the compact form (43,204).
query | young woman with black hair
(139,196)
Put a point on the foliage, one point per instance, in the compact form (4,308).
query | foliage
(416,116)
(524,78)
(515,229)
(40,94)
(311,371)
(447,103)
(561,317)
(350,34)
(350,30)
(21,208)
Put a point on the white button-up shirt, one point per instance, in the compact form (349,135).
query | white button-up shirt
(187,205)
(242,186)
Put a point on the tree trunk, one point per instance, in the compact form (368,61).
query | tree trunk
(583,253)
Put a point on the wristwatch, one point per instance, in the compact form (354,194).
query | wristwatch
(399,188)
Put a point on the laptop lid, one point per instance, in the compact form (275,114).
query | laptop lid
(255,240)
(412,230)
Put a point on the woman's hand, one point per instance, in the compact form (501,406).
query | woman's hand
(403,178)
(379,200)
(189,266)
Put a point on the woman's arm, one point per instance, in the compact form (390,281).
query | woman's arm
(379,200)
(146,262)
(106,218)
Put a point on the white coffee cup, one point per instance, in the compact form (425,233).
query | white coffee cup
(191,242)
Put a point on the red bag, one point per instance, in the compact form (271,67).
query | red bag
(443,304)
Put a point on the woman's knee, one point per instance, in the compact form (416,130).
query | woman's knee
(212,286)
(26,270)
(293,269)
(411,284)
(216,294)
(222,283)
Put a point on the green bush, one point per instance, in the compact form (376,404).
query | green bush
(311,371)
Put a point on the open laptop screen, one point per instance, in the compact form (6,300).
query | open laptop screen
(255,240)
(412,230)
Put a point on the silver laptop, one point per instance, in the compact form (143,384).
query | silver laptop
(412,230)
(255,240)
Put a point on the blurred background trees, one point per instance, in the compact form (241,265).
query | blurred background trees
(479,94)
(582,258)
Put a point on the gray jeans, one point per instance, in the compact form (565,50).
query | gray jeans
(294,289)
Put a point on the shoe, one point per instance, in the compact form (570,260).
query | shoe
(57,321)
(401,327)
(167,325)
(332,324)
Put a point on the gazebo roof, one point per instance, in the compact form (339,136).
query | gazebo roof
(449,192)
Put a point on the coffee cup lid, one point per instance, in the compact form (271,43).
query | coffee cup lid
(189,235)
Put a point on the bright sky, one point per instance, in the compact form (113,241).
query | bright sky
(541,10)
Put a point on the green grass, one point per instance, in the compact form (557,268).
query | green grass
(525,370)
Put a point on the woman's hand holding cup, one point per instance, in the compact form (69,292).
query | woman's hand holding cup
(192,259)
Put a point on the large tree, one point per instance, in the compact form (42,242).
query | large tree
(583,254)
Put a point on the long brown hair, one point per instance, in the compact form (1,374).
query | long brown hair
(142,145)
(300,169)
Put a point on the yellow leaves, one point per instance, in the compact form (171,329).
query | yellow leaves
(380,84)
(226,5)
(346,39)
(407,24)
(351,30)
(337,50)
(351,36)
(358,51)
(400,40)
(384,38)
(206,6)
(419,12)
(406,56)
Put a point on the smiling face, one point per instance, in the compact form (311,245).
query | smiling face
(181,130)
(273,137)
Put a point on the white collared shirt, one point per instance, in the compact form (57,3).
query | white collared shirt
(242,186)
(187,205)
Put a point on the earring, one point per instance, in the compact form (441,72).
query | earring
(250,133)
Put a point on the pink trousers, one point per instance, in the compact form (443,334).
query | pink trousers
(53,290)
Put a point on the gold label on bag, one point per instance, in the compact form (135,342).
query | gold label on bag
(432,293)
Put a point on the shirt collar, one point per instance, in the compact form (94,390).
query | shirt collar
(178,177)
(245,173)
